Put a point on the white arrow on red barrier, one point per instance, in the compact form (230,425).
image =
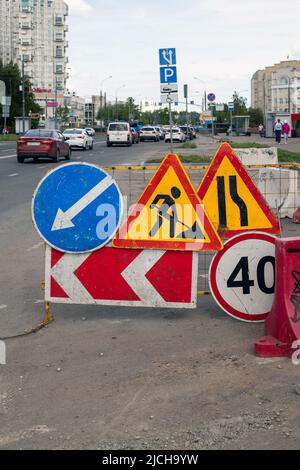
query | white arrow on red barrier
(112,276)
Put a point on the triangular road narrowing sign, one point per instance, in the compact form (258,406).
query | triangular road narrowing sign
(231,199)
(169,215)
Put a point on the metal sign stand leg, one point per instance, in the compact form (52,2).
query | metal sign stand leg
(169,99)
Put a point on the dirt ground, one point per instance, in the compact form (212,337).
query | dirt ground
(110,378)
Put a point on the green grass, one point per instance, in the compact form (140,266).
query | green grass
(8,137)
(287,156)
(186,159)
(188,145)
(245,145)
(284,156)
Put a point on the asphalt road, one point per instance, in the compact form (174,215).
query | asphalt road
(17,181)
(108,377)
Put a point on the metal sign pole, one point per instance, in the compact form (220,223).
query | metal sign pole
(170,121)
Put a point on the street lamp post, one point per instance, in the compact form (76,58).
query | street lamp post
(204,94)
(117,90)
(23,97)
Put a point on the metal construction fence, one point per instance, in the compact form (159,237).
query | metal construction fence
(278,183)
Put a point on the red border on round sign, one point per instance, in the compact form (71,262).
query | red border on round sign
(250,318)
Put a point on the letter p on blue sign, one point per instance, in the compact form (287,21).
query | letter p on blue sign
(168,75)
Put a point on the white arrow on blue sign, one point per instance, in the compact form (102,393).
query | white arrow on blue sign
(77,208)
(167,57)
(231,106)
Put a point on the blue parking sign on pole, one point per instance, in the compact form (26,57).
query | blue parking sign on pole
(77,208)
(168,75)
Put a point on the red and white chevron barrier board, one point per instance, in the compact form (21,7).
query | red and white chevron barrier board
(123,277)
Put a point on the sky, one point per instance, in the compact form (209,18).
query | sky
(221,42)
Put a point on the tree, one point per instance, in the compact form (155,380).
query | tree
(127,111)
(12,78)
(256,116)
(240,104)
(63,114)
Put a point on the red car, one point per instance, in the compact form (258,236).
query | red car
(40,143)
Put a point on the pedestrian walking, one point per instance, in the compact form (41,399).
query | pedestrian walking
(261,130)
(278,131)
(286,129)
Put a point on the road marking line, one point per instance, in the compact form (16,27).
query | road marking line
(2,307)
(13,174)
(35,247)
(7,156)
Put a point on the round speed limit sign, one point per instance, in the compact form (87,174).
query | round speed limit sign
(242,276)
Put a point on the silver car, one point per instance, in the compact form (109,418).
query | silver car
(78,138)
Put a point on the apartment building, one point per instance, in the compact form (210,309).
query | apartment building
(33,35)
(276,89)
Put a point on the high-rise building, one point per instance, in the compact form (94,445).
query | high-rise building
(33,35)
(276,89)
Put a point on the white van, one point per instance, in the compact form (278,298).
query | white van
(119,133)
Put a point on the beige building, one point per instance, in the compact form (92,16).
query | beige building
(76,106)
(276,89)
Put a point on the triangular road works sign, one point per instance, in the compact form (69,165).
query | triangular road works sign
(169,215)
(231,199)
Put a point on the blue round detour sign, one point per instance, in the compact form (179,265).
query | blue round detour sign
(77,208)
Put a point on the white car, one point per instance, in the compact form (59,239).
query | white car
(90,131)
(119,133)
(160,132)
(78,138)
(149,133)
(177,135)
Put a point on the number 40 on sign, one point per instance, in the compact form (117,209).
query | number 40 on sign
(242,276)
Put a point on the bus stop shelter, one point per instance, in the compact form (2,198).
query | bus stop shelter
(241,124)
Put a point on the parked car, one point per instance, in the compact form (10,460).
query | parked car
(90,131)
(149,133)
(177,135)
(187,131)
(135,136)
(160,132)
(42,143)
(78,138)
(119,133)
(194,135)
